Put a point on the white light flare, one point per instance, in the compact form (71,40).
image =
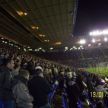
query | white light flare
(93,40)
(89,45)
(99,44)
(98,33)
(82,41)
(105,39)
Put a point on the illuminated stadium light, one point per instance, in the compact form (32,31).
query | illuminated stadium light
(30,50)
(99,44)
(19,48)
(82,41)
(89,45)
(36,50)
(79,48)
(51,48)
(34,27)
(58,43)
(25,49)
(43,50)
(40,48)
(20,13)
(93,40)
(71,49)
(11,44)
(95,33)
(2,38)
(25,13)
(74,47)
(41,35)
(66,48)
(105,32)
(105,39)
(28,47)
(99,33)
(3,41)
(46,40)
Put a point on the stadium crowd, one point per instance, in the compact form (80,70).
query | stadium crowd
(27,81)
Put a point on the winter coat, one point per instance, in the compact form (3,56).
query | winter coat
(21,94)
(39,89)
(6,78)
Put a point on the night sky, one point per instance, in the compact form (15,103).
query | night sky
(91,15)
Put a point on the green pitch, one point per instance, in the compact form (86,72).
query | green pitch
(103,71)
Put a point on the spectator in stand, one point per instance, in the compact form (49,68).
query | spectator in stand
(17,66)
(72,90)
(39,89)
(6,77)
(20,90)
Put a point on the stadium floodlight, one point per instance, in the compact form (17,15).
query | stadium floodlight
(43,50)
(93,40)
(51,48)
(25,49)
(79,48)
(30,49)
(66,48)
(71,49)
(89,45)
(105,39)
(40,48)
(82,41)
(2,38)
(5,42)
(99,44)
(95,33)
(99,33)
(105,32)
(74,47)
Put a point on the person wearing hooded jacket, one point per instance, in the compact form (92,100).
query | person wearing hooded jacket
(20,90)
(39,88)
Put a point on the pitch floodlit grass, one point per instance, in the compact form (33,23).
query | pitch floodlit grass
(103,71)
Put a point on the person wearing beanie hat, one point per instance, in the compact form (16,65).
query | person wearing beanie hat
(39,88)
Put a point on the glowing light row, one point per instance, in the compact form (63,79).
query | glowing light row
(99,33)
(74,48)
(83,41)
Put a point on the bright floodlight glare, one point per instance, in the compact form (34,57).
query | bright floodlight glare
(71,49)
(99,44)
(82,41)
(98,33)
(105,39)
(81,46)
(66,48)
(89,45)
(93,40)
(40,48)
(51,48)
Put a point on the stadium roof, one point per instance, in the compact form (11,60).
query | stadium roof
(36,23)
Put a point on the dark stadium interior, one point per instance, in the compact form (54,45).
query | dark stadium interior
(53,54)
